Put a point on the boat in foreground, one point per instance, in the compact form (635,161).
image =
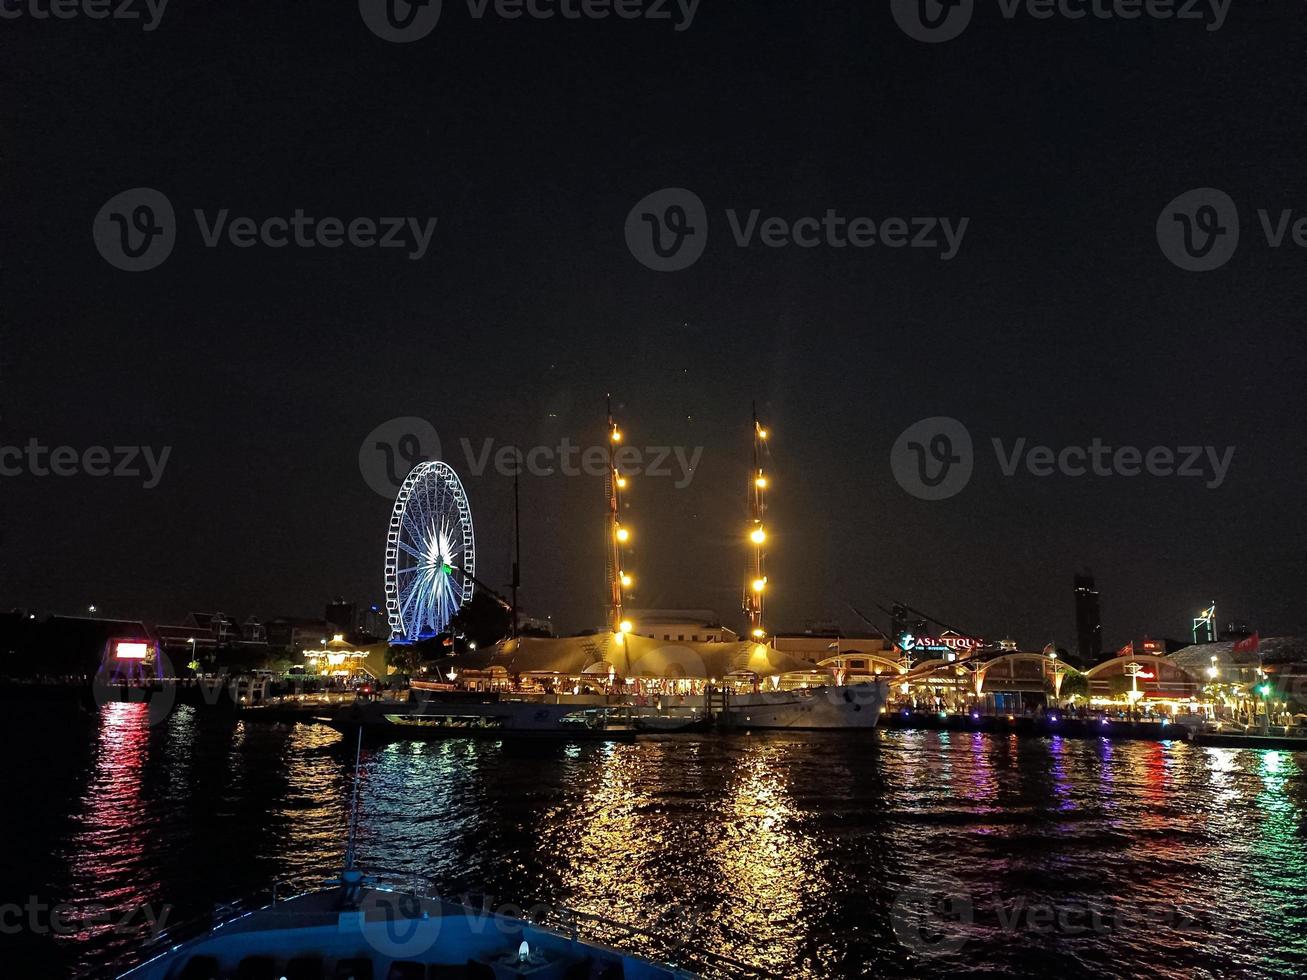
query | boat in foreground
(361,928)
(364,930)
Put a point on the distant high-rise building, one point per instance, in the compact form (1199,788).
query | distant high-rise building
(898,621)
(1089,625)
(343,615)
(374,623)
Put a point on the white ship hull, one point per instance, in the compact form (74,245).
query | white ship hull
(854,706)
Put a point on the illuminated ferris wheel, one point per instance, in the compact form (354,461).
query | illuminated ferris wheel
(430,553)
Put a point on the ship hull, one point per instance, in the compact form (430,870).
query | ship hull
(814,709)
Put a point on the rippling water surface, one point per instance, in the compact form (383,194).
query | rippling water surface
(904,855)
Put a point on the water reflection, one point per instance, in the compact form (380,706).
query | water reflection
(104,854)
(787,850)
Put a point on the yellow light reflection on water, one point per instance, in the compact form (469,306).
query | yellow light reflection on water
(765,861)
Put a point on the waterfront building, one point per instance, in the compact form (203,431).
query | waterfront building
(210,637)
(1089,625)
(1253,669)
(681,625)
(1011,681)
(817,645)
(59,646)
(1150,647)
(607,662)
(1144,679)
(294,634)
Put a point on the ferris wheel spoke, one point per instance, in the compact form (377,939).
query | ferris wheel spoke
(404,546)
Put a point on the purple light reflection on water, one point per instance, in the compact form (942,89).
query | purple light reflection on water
(764,838)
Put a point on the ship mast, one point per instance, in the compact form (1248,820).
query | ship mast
(755,580)
(618,580)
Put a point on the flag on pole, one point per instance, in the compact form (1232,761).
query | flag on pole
(1127,651)
(1248,644)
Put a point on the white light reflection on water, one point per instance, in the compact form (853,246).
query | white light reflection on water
(790,848)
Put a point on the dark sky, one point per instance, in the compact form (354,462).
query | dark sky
(1060,320)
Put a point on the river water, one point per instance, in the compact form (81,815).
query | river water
(905,854)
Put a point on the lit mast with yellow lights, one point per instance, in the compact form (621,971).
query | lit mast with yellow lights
(755,581)
(618,533)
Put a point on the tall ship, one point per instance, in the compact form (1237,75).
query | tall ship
(615,682)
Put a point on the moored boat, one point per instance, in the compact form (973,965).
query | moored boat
(431,713)
(828,707)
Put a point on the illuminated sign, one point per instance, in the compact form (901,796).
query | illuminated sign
(131,650)
(1147,675)
(945,641)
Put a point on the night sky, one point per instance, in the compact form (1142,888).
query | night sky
(1060,319)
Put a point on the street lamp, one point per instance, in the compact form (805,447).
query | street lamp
(1132,671)
(91,609)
